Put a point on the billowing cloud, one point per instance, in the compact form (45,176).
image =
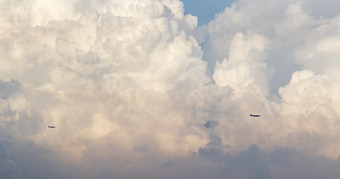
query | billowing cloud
(137,90)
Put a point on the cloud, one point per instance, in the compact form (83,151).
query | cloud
(8,168)
(278,163)
(137,90)
(8,88)
(244,68)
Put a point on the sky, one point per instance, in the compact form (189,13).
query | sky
(148,90)
(205,10)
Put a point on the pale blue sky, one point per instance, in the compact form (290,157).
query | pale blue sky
(205,10)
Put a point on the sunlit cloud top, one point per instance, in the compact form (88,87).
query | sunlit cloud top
(137,89)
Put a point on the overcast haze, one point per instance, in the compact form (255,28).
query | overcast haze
(138,90)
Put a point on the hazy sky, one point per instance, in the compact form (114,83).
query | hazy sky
(138,90)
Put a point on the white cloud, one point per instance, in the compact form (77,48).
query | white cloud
(244,69)
(137,90)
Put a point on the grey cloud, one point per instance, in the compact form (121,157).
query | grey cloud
(213,150)
(8,88)
(210,124)
(277,163)
(8,168)
(5,152)
(250,164)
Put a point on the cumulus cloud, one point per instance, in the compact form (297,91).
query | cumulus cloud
(137,90)
(245,63)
